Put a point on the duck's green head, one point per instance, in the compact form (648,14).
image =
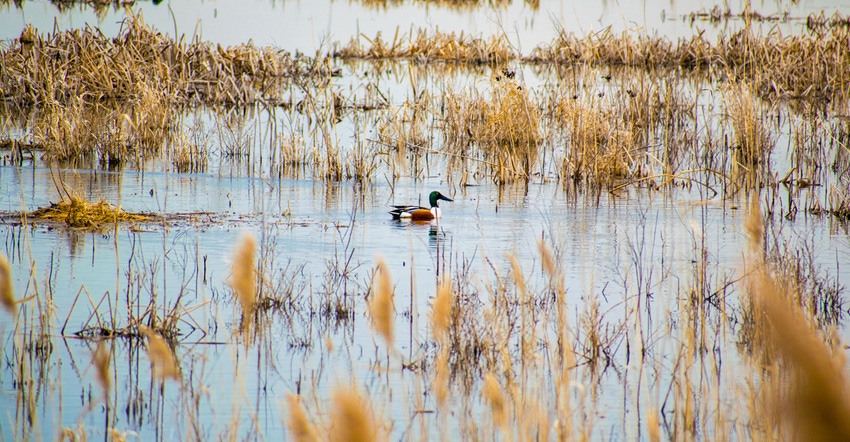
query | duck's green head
(435,196)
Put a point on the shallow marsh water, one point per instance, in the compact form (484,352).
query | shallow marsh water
(608,248)
(639,254)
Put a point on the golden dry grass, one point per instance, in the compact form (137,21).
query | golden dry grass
(752,139)
(503,130)
(807,66)
(76,212)
(299,425)
(493,395)
(442,309)
(100,68)
(381,303)
(162,357)
(101,360)
(7,291)
(438,46)
(352,418)
(243,278)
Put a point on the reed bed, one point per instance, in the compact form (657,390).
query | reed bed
(806,66)
(424,48)
(106,68)
(502,130)
(463,5)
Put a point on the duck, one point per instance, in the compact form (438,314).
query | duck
(419,213)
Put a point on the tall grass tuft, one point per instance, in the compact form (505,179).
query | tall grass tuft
(300,427)
(752,138)
(163,359)
(381,304)
(243,278)
(352,418)
(7,293)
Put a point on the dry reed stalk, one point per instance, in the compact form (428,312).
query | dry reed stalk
(7,292)
(493,394)
(162,357)
(381,303)
(442,309)
(352,419)
(441,376)
(299,425)
(653,425)
(243,279)
(814,402)
(101,360)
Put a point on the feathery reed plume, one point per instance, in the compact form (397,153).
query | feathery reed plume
(7,294)
(243,278)
(493,394)
(441,375)
(352,419)
(381,304)
(101,359)
(442,309)
(299,425)
(753,225)
(162,357)
(549,265)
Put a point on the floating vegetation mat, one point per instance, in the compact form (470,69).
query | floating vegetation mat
(79,213)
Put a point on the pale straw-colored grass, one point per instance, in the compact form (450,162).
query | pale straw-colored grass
(243,278)
(7,293)
(299,425)
(163,359)
(352,419)
(101,359)
(381,303)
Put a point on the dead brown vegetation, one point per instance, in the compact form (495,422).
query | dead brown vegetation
(76,212)
(422,47)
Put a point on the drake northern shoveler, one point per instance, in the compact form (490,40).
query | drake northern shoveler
(418,213)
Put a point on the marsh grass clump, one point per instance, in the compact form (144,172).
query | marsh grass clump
(600,150)
(424,48)
(504,131)
(76,212)
(753,141)
(118,99)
